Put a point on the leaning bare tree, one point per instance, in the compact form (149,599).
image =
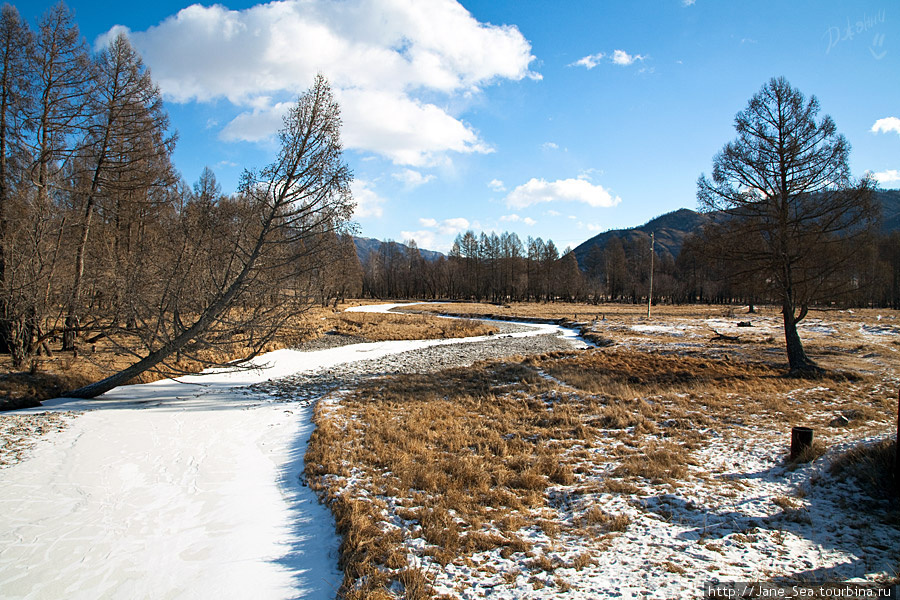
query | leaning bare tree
(252,271)
(785,208)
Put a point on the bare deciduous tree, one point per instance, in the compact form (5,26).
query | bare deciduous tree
(126,148)
(275,233)
(785,206)
(15,41)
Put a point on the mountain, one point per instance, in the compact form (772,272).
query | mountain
(890,210)
(673,227)
(365,246)
(670,230)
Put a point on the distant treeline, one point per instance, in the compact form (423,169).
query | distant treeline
(502,268)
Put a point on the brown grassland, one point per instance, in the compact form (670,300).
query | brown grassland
(475,460)
(52,376)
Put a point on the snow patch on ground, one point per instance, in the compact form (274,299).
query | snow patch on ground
(189,488)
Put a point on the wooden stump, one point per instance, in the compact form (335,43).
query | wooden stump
(801,439)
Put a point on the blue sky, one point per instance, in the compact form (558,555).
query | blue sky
(551,119)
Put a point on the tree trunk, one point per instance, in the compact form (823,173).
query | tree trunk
(215,309)
(800,364)
(213,312)
(72,317)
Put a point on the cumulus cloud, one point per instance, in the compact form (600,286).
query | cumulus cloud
(550,146)
(368,203)
(886,125)
(537,191)
(889,176)
(412,178)
(496,185)
(620,57)
(381,57)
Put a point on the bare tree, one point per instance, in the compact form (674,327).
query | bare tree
(278,220)
(15,41)
(785,205)
(126,149)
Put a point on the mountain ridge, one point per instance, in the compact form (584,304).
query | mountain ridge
(670,231)
(672,228)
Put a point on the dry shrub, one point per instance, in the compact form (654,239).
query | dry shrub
(378,327)
(543,563)
(872,464)
(660,462)
(582,561)
(597,517)
(618,486)
(416,585)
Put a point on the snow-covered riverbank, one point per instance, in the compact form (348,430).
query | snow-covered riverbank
(188,489)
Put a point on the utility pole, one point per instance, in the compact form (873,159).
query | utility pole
(652,253)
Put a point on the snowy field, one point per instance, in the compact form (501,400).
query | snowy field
(187,489)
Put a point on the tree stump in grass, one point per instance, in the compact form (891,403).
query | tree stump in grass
(801,439)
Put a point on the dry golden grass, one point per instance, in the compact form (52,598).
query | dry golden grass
(376,327)
(472,458)
(574,311)
(52,376)
(872,464)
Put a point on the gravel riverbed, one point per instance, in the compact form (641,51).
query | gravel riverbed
(310,386)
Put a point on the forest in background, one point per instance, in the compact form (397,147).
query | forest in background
(503,268)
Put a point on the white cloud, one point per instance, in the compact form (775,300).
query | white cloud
(404,129)
(889,176)
(256,125)
(380,56)
(451,226)
(424,239)
(550,146)
(590,61)
(536,191)
(437,235)
(887,124)
(620,57)
(368,203)
(447,226)
(514,218)
(412,179)
(496,185)
(688,2)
